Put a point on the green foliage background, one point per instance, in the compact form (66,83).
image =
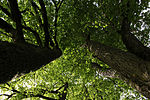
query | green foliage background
(77,18)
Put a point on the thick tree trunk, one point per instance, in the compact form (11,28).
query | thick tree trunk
(23,58)
(134,70)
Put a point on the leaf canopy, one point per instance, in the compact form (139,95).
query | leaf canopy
(76,19)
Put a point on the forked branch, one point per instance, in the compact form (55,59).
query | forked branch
(57,7)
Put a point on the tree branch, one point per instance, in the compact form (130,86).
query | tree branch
(60,4)
(132,44)
(36,8)
(16,16)
(5,34)
(4,95)
(35,34)
(32,95)
(7,27)
(134,70)
(64,94)
(5,11)
(57,7)
(44,97)
(45,26)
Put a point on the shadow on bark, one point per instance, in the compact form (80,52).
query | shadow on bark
(23,58)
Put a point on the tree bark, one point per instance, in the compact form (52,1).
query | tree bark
(23,58)
(132,44)
(133,66)
(20,57)
(134,70)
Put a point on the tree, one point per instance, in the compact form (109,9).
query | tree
(111,30)
(21,52)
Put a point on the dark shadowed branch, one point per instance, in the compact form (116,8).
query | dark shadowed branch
(35,34)
(132,44)
(16,16)
(36,8)
(8,35)
(5,11)
(45,25)
(26,94)
(7,27)
(64,94)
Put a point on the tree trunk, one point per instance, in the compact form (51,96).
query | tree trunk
(23,58)
(134,70)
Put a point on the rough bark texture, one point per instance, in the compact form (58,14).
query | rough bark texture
(23,58)
(133,69)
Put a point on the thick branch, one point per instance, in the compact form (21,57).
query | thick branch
(135,70)
(23,58)
(16,15)
(132,43)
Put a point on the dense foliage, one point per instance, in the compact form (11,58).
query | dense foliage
(72,76)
